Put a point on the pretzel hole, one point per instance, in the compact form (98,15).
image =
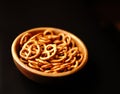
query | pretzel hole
(66,39)
(61,37)
(42,48)
(49,48)
(32,53)
(78,57)
(72,44)
(43,55)
(72,51)
(48,33)
(23,60)
(25,52)
(34,48)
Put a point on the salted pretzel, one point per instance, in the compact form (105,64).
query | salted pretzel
(50,52)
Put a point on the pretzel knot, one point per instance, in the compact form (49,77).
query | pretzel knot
(49,51)
(30,50)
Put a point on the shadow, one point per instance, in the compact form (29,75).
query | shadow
(84,81)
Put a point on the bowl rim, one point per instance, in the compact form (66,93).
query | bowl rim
(37,72)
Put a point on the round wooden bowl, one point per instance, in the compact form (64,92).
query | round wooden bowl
(39,76)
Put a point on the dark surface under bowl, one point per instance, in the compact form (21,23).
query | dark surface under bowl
(100,75)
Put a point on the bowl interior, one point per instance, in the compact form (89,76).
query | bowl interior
(78,41)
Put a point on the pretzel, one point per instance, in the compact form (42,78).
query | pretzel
(62,47)
(79,57)
(56,68)
(49,71)
(41,62)
(59,57)
(67,39)
(76,64)
(40,38)
(33,64)
(23,60)
(50,52)
(57,42)
(47,66)
(61,36)
(68,58)
(30,50)
(36,36)
(61,54)
(47,32)
(25,38)
(72,52)
(72,44)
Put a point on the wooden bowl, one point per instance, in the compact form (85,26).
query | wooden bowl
(39,76)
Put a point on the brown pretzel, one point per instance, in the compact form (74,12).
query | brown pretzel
(30,50)
(41,62)
(40,38)
(59,57)
(36,36)
(49,51)
(47,66)
(72,44)
(79,57)
(76,64)
(67,39)
(33,64)
(57,41)
(23,60)
(62,47)
(68,58)
(73,51)
(48,32)
(25,38)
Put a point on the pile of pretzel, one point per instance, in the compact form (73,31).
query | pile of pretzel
(49,52)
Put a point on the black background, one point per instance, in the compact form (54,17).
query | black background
(93,22)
